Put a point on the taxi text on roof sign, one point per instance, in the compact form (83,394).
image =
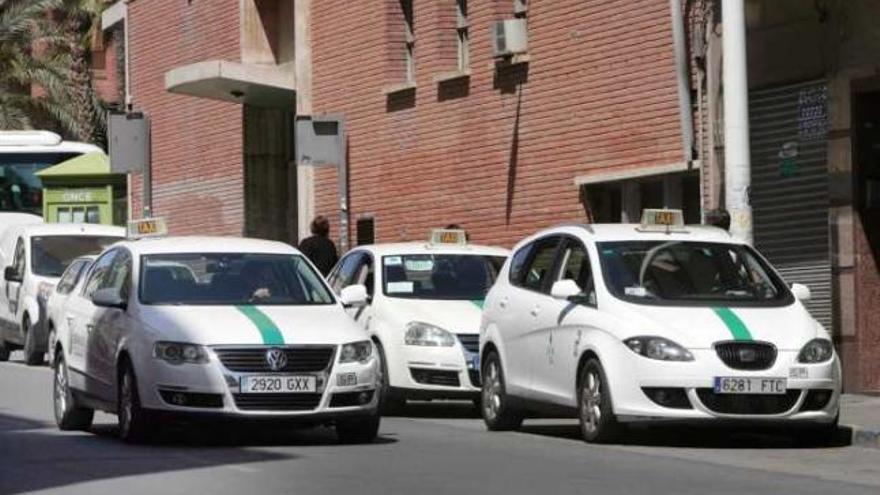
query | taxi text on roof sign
(448,236)
(147,227)
(662,220)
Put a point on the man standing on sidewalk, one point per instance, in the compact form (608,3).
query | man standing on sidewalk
(319,248)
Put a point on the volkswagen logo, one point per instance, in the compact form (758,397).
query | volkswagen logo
(276,359)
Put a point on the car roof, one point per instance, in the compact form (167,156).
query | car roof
(402,248)
(601,232)
(205,244)
(87,229)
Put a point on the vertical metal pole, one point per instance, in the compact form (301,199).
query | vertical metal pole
(682,72)
(737,166)
(343,189)
(147,175)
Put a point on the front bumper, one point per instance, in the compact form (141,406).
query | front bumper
(213,390)
(422,372)
(813,390)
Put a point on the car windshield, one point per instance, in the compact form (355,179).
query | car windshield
(440,276)
(230,279)
(50,255)
(699,273)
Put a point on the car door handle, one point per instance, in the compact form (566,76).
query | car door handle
(90,328)
(503,303)
(535,311)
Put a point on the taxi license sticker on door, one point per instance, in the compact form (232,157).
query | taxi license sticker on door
(274,384)
(737,385)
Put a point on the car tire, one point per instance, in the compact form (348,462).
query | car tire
(495,406)
(358,430)
(595,407)
(32,356)
(68,415)
(390,403)
(4,351)
(135,425)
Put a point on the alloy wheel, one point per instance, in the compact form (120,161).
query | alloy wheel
(591,402)
(491,391)
(60,390)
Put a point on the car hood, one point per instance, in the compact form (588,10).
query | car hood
(454,316)
(252,325)
(787,327)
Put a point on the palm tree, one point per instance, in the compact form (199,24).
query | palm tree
(46,44)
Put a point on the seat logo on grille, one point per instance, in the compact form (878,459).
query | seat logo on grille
(747,355)
(276,359)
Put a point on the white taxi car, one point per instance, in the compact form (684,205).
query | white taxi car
(618,323)
(33,257)
(57,299)
(425,303)
(212,328)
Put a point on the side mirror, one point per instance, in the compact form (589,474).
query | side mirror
(10,275)
(801,292)
(109,298)
(565,289)
(353,296)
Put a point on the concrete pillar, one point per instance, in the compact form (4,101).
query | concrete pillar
(737,170)
(303,66)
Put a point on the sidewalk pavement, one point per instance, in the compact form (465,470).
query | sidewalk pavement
(861,413)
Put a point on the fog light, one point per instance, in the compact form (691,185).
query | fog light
(178,399)
(364,397)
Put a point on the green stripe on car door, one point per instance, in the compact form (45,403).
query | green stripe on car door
(736,326)
(270,333)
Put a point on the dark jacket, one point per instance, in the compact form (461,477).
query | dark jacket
(321,251)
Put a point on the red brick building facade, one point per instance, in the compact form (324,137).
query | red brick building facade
(496,150)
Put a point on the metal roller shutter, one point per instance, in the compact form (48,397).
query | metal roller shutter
(789,139)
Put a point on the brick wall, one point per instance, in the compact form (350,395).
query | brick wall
(197,143)
(496,152)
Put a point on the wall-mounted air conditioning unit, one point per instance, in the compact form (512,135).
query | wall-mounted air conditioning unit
(510,37)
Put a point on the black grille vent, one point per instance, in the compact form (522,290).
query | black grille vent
(752,356)
(253,360)
(470,341)
(748,404)
(435,377)
(277,402)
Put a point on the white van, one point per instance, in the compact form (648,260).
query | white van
(32,258)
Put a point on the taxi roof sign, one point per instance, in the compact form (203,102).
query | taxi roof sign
(449,236)
(662,220)
(147,227)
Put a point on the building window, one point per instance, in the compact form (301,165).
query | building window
(406,7)
(462,35)
(623,200)
(366,231)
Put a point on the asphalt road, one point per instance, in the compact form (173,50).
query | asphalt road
(437,449)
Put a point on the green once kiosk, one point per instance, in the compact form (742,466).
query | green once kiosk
(83,190)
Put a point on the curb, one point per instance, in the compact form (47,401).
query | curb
(865,437)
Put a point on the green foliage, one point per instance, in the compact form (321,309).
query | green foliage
(46,67)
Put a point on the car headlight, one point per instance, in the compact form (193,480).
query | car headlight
(658,348)
(180,353)
(816,351)
(356,352)
(419,333)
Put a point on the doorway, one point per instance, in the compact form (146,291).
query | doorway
(866,112)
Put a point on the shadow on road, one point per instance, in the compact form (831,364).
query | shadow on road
(36,456)
(706,437)
(440,410)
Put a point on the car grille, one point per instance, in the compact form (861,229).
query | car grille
(748,404)
(470,341)
(253,359)
(435,377)
(751,356)
(277,402)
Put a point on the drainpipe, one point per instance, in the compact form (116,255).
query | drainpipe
(683,74)
(737,159)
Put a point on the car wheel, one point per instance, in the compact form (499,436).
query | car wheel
(497,412)
(134,422)
(32,356)
(358,430)
(68,416)
(595,409)
(390,403)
